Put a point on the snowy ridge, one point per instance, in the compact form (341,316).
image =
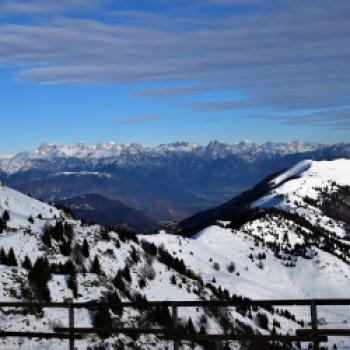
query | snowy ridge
(130,153)
(21,207)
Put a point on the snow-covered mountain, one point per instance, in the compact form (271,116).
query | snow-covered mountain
(130,153)
(302,215)
(184,177)
(45,256)
(291,241)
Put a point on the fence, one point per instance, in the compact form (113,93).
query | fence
(314,321)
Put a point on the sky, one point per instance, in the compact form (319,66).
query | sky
(158,71)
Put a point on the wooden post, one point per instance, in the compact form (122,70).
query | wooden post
(174,316)
(313,309)
(71,324)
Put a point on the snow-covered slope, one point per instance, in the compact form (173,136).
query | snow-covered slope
(300,226)
(295,244)
(322,276)
(89,263)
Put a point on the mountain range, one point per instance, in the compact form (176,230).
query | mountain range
(288,237)
(167,183)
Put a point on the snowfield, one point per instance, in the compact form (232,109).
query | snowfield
(291,250)
(322,277)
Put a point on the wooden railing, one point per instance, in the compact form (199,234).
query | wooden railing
(312,334)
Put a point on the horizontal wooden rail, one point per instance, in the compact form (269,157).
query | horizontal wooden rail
(325,332)
(246,337)
(44,335)
(133,331)
(211,303)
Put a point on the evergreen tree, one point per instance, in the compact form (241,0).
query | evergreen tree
(3,257)
(72,284)
(69,231)
(125,273)
(115,300)
(38,277)
(46,237)
(65,248)
(119,283)
(190,327)
(85,249)
(103,319)
(6,216)
(27,264)
(96,267)
(3,225)
(11,258)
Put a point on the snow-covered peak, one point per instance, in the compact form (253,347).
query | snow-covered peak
(134,153)
(5,156)
(306,179)
(21,207)
(316,191)
(179,146)
(296,170)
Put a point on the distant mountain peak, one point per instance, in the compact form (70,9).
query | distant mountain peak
(135,154)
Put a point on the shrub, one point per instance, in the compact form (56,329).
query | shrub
(231,267)
(216,266)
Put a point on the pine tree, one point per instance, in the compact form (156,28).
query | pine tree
(96,267)
(27,264)
(3,257)
(11,258)
(190,327)
(103,319)
(119,283)
(115,300)
(85,249)
(3,225)
(46,237)
(38,277)
(6,216)
(72,284)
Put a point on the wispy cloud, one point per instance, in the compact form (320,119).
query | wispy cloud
(185,90)
(140,119)
(295,57)
(333,118)
(38,7)
(222,106)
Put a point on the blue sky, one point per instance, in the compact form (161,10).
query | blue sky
(158,71)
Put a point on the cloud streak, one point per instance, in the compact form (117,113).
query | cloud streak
(295,57)
(38,7)
(139,119)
